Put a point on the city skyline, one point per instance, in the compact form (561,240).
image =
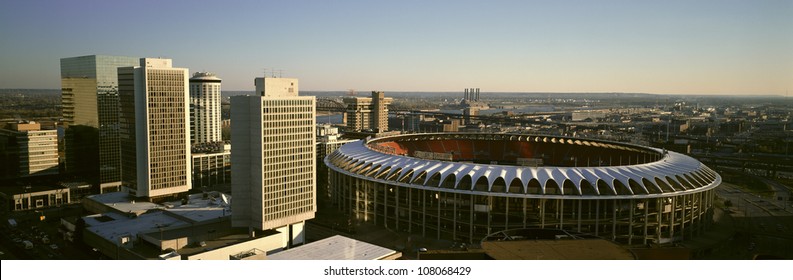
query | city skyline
(705,47)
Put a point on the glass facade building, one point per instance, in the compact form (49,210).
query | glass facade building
(89,96)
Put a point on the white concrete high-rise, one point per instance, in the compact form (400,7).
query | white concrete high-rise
(204,108)
(154,121)
(273,160)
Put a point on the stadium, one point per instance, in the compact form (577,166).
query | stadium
(466,186)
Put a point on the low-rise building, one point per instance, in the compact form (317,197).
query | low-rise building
(27,150)
(211,164)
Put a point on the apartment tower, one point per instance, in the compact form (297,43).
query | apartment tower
(367,113)
(204,108)
(273,158)
(154,134)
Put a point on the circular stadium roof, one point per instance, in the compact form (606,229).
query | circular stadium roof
(523,166)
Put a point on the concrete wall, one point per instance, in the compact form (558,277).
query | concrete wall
(266,244)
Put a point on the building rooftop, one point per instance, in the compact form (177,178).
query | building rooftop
(199,208)
(112,226)
(204,76)
(336,248)
(124,203)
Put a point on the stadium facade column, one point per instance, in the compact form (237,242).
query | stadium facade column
(699,213)
(683,218)
(489,214)
(376,189)
(357,203)
(410,210)
(438,228)
(579,215)
(385,206)
(646,204)
(524,210)
(369,188)
(423,212)
(630,222)
(471,222)
(454,217)
(672,219)
(396,209)
(542,212)
(560,210)
(506,214)
(659,203)
(597,217)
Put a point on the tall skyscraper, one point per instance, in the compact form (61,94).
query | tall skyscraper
(368,113)
(89,92)
(154,121)
(273,158)
(204,108)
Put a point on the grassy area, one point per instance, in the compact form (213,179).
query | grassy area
(746,182)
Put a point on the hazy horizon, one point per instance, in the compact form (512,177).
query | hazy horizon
(671,47)
(365,93)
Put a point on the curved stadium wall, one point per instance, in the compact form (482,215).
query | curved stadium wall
(465,186)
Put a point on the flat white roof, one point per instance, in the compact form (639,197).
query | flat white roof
(334,248)
(122,226)
(199,209)
(123,202)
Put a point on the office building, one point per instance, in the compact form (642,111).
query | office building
(204,108)
(89,92)
(368,113)
(328,140)
(154,134)
(28,151)
(273,160)
(211,164)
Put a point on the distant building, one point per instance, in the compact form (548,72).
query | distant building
(328,140)
(368,113)
(155,144)
(592,115)
(471,99)
(26,150)
(274,160)
(204,108)
(89,92)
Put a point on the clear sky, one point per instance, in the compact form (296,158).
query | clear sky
(679,47)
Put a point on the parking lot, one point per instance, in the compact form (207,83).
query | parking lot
(34,238)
